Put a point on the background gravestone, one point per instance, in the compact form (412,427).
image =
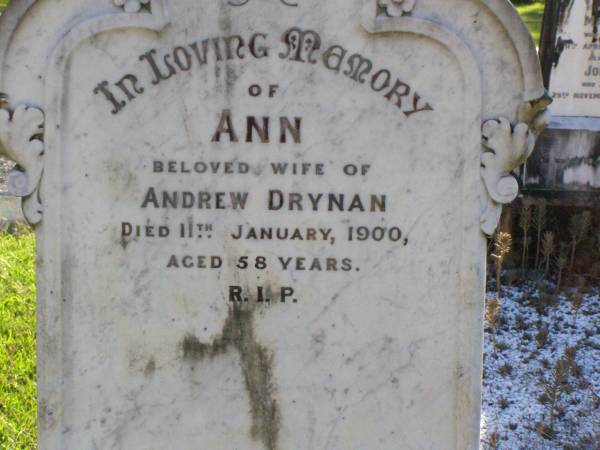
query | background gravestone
(261,224)
(564,169)
(10,209)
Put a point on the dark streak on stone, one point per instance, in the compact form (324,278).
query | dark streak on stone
(257,369)
(230,78)
(564,11)
(595,18)
(555,15)
(150,367)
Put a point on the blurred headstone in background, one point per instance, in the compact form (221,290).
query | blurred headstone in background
(565,168)
(10,206)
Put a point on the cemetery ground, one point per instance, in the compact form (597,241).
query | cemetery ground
(541,369)
(542,347)
(541,363)
(17,342)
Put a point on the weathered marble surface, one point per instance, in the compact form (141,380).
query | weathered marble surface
(378,344)
(10,210)
(5,166)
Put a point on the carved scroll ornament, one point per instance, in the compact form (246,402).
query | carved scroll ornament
(21,132)
(507,147)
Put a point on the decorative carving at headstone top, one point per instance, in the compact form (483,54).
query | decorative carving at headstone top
(132,6)
(507,148)
(245,2)
(397,8)
(21,132)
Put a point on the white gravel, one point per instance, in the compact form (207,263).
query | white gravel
(519,374)
(4,168)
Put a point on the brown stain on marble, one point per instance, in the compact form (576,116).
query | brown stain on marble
(124,242)
(46,416)
(150,367)
(256,364)
(564,11)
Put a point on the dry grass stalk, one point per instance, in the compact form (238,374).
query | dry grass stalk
(555,388)
(541,338)
(540,226)
(579,228)
(525,221)
(576,304)
(547,250)
(561,263)
(492,316)
(502,247)
(493,440)
(558,384)
(544,299)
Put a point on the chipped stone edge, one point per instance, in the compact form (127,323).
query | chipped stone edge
(507,147)
(51,291)
(21,141)
(238,3)
(396,8)
(132,6)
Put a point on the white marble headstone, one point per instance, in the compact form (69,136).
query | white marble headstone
(261,223)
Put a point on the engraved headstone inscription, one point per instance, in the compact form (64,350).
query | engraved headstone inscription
(572,57)
(261,224)
(563,168)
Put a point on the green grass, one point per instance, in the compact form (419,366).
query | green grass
(18,409)
(532,14)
